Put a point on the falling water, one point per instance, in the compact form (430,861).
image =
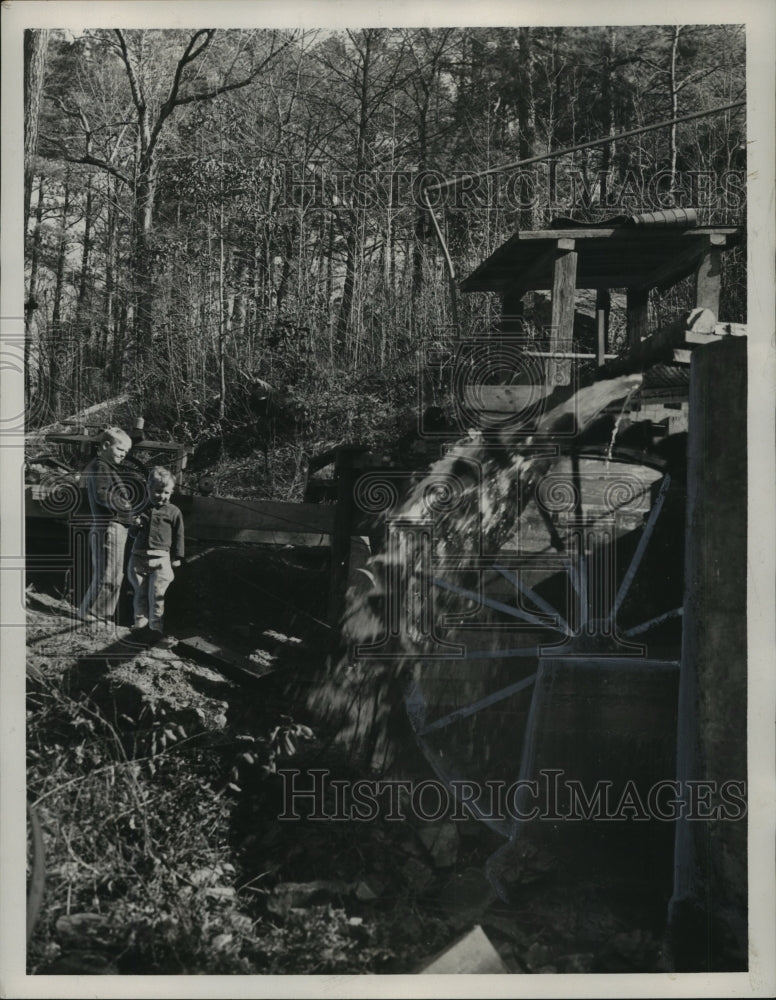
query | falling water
(618,422)
(470,501)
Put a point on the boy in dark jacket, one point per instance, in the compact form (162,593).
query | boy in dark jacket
(158,548)
(113,509)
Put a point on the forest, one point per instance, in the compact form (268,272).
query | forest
(214,217)
(253,239)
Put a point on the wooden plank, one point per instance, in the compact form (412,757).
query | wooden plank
(603,301)
(564,287)
(234,665)
(80,417)
(470,953)
(233,515)
(637,300)
(730,329)
(636,233)
(251,536)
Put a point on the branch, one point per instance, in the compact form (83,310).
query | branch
(134,83)
(96,161)
(224,88)
(173,101)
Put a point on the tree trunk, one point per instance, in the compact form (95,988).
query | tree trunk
(143,266)
(58,353)
(420,213)
(607,109)
(352,244)
(31,303)
(674,86)
(527,122)
(35,47)
(82,326)
(111,267)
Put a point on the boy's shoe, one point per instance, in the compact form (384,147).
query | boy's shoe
(160,640)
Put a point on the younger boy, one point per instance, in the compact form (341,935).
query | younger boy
(111,503)
(157,549)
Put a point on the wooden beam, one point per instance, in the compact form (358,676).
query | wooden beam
(637,300)
(564,287)
(708,280)
(637,232)
(231,663)
(693,328)
(346,472)
(603,301)
(730,329)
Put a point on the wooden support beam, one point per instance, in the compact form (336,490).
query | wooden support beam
(708,279)
(564,287)
(709,902)
(693,328)
(603,301)
(637,299)
(346,472)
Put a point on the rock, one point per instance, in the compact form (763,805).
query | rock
(83,963)
(79,929)
(471,953)
(158,685)
(537,957)
(582,962)
(292,895)
(221,892)
(441,841)
(365,893)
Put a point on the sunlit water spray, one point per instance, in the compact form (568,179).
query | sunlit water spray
(466,505)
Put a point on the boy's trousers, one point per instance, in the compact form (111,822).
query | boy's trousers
(150,575)
(107,543)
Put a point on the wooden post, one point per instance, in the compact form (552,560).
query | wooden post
(603,303)
(564,288)
(637,316)
(708,910)
(708,276)
(346,472)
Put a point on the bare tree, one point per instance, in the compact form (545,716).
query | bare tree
(35,47)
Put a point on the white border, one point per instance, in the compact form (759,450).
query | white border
(760,18)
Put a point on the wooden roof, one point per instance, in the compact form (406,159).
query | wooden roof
(620,256)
